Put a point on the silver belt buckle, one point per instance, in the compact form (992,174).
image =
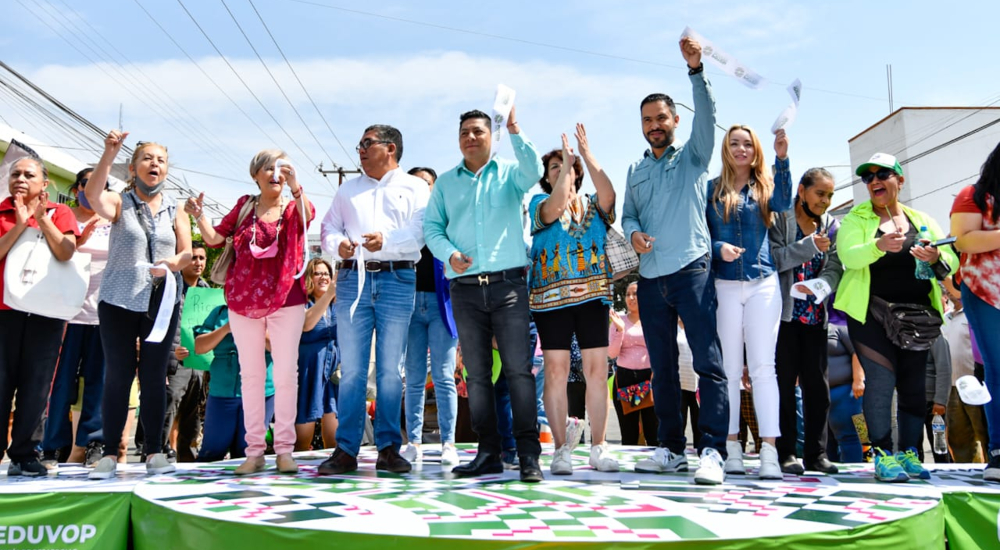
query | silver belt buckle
(483,278)
(373,266)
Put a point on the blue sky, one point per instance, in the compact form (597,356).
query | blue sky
(417,65)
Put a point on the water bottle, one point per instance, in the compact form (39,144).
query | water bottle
(940,443)
(923,270)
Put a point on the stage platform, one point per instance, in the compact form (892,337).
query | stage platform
(206,506)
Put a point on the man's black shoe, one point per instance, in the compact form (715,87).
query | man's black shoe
(31,468)
(821,464)
(483,464)
(339,463)
(531,472)
(390,460)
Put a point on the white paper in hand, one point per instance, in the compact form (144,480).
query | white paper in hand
(162,322)
(819,288)
(787,117)
(724,61)
(502,104)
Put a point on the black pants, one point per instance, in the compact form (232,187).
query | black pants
(801,355)
(576,397)
(629,423)
(184,399)
(29,350)
(497,310)
(121,329)
(689,408)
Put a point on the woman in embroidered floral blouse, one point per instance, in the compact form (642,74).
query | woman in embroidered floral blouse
(265,301)
(570,295)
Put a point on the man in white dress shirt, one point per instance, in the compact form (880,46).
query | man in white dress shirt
(375,227)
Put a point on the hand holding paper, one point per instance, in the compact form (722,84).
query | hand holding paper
(787,117)
(691,50)
(817,288)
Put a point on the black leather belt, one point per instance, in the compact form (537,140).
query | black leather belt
(373,266)
(490,278)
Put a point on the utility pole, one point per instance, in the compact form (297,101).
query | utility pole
(339,170)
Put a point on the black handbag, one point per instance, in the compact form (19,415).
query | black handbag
(911,327)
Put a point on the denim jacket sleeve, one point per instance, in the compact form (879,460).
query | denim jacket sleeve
(781,198)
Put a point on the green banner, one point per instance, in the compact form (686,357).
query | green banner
(64,521)
(971,520)
(198,303)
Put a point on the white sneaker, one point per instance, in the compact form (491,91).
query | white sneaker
(734,462)
(709,470)
(574,429)
(601,460)
(562,461)
(449,454)
(159,464)
(106,468)
(413,453)
(662,461)
(770,468)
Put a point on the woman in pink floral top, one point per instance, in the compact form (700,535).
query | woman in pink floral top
(266,301)
(633,373)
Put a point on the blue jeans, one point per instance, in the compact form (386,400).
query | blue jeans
(689,293)
(538,365)
(427,330)
(843,406)
(984,320)
(223,431)
(385,308)
(500,310)
(81,356)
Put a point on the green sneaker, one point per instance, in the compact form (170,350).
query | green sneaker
(911,464)
(887,468)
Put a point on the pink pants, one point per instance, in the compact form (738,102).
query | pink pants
(283,328)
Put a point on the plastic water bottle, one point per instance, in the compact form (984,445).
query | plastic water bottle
(940,443)
(923,270)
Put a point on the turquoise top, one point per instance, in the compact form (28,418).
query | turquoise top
(225,368)
(568,263)
(480,216)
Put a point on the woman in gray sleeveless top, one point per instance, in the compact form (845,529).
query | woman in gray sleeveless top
(147,228)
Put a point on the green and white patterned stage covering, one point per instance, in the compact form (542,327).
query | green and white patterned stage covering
(205,506)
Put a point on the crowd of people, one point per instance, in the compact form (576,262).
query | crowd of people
(759,311)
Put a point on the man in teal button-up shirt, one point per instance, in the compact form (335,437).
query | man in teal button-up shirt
(664,217)
(473,225)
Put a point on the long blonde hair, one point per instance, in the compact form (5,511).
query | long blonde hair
(725,194)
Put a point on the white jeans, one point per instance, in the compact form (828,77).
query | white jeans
(749,312)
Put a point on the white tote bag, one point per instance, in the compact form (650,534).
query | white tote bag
(36,282)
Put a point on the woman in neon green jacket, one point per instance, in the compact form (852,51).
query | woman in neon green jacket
(879,246)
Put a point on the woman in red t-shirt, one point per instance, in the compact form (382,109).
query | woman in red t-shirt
(975,220)
(266,302)
(29,344)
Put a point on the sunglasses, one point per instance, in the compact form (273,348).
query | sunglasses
(366,143)
(882,174)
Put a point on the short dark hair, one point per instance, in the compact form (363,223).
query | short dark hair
(810,176)
(557,154)
(198,244)
(475,113)
(384,132)
(82,175)
(417,169)
(652,98)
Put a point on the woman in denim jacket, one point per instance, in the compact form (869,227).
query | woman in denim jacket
(803,250)
(741,207)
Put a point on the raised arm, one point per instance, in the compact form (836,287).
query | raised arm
(605,191)
(781,198)
(553,207)
(107,204)
(529,164)
(315,313)
(702,141)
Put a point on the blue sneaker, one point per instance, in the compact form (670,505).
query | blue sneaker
(887,468)
(911,464)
